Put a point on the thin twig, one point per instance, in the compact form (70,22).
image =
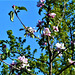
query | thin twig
(32,58)
(63,14)
(24,25)
(9,64)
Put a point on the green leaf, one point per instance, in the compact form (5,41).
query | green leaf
(24,40)
(7,50)
(24,35)
(22,8)
(40,10)
(16,7)
(21,29)
(11,13)
(3,56)
(32,36)
(34,51)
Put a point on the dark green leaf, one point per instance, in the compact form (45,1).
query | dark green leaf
(40,10)
(22,8)
(21,29)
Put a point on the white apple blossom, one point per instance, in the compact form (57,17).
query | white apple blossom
(24,62)
(30,29)
(42,0)
(23,59)
(52,15)
(47,32)
(60,45)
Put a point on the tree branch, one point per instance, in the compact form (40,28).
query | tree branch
(50,57)
(65,68)
(9,64)
(72,45)
(32,57)
(62,14)
(24,25)
(55,56)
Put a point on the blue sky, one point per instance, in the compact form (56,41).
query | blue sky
(29,18)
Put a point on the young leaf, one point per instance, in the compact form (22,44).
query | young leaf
(22,8)
(16,7)
(11,15)
(34,51)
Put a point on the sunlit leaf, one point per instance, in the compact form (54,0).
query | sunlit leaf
(11,13)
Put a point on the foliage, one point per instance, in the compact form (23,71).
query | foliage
(57,26)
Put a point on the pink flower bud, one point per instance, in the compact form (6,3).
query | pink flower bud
(13,6)
(71,42)
(25,27)
(39,21)
(43,4)
(52,15)
(55,28)
(49,15)
(45,43)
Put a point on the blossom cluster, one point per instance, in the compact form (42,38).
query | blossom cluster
(31,30)
(23,61)
(55,28)
(46,31)
(60,46)
(40,3)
